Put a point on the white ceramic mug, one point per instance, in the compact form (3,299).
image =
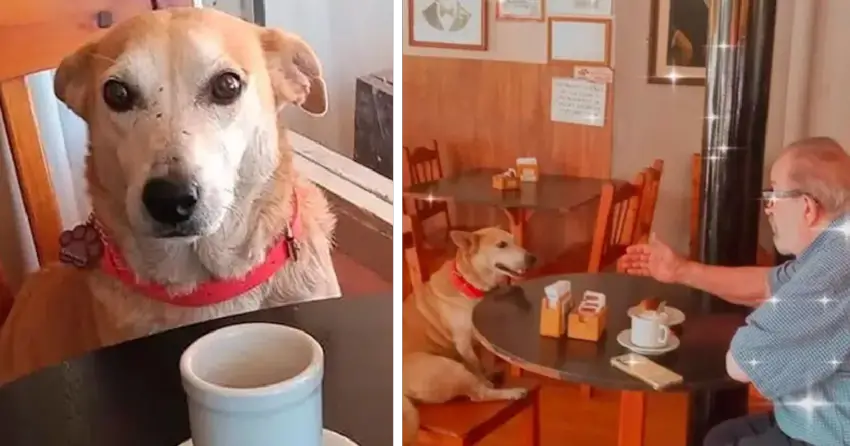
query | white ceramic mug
(254,385)
(648,330)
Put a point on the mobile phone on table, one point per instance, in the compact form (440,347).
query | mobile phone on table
(644,369)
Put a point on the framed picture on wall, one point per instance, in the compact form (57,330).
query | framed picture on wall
(579,8)
(457,24)
(531,10)
(678,36)
(580,40)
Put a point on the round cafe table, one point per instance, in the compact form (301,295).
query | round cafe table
(507,324)
(131,394)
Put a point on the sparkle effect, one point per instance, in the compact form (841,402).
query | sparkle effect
(774,300)
(808,404)
(824,300)
(843,229)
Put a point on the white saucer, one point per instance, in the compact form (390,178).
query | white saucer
(330,438)
(625,339)
(674,315)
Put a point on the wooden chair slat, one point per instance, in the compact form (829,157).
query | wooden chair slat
(31,168)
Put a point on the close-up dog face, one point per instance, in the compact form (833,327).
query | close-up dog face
(182,108)
(493,251)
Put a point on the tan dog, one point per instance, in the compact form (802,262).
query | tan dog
(192,183)
(439,362)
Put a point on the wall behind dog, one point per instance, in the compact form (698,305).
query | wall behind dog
(664,121)
(351,39)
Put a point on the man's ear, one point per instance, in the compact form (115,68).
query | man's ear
(295,72)
(465,241)
(71,82)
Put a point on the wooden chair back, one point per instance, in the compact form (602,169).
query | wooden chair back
(6,298)
(646,213)
(616,221)
(414,272)
(424,166)
(52,29)
(696,172)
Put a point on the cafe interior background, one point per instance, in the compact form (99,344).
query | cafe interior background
(487,107)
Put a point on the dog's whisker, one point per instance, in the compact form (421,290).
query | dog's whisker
(102,57)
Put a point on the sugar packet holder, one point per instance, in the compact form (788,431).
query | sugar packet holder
(591,303)
(557,291)
(527,169)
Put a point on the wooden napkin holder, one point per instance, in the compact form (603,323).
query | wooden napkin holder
(527,169)
(553,312)
(505,181)
(587,320)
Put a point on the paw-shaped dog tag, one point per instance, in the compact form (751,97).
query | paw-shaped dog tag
(81,247)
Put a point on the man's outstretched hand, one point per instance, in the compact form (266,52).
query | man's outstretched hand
(654,259)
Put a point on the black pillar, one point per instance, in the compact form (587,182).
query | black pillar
(740,55)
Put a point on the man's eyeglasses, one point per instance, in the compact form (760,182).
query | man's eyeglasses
(769,196)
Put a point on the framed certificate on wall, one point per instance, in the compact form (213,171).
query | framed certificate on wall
(580,7)
(531,10)
(580,40)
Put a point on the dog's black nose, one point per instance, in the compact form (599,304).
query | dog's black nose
(170,200)
(530,260)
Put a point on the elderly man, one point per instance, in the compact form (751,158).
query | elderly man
(795,346)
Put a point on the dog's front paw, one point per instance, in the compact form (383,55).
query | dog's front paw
(514,393)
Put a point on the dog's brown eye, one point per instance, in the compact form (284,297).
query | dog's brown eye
(118,95)
(502,245)
(225,88)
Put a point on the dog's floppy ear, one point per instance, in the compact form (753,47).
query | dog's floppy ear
(71,81)
(466,241)
(295,72)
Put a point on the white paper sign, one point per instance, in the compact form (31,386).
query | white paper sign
(600,75)
(579,7)
(578,101)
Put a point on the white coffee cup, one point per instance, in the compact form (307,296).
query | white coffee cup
(254,384)
(648,330)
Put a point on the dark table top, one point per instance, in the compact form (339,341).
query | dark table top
(131,394)
(550,192)
(508,323)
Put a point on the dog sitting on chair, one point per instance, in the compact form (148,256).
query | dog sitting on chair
(439,362)
(197,210)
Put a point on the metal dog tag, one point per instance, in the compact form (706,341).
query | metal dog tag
(292,245)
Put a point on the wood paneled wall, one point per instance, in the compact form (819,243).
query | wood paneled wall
(487,113)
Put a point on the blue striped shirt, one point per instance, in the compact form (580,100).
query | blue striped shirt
(796,348)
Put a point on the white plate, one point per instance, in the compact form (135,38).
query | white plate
(675,316)
(330,438)
(625,339)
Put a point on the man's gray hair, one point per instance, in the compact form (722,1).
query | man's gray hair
(821,168)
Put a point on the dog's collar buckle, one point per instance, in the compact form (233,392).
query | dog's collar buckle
(467,289)
(292,244)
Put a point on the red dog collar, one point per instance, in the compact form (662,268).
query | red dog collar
(214,291)
(467,289)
